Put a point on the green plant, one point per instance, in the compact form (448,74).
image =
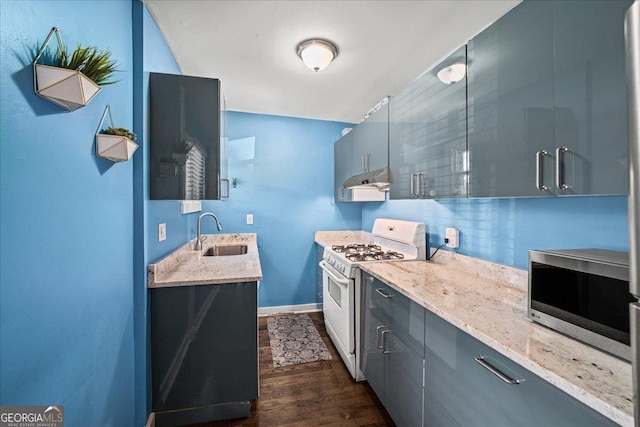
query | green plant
(93,63)
(120,132)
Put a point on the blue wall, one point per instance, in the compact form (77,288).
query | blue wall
(151,54)
(285,179)
(66,300)
(504,230)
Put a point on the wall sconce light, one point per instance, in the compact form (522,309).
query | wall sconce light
(317,54)
(452,74)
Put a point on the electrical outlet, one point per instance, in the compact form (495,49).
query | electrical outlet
(249,219)
(162,232)
(453,235)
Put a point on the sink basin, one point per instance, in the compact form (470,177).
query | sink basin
(226,250)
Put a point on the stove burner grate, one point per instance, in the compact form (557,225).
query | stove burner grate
(355,247)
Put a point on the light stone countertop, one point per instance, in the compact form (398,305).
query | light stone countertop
(186,267)
(330,238)
(463,291)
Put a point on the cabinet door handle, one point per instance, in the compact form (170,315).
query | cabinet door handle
(225,181)
(539,155)
(364,163)
(368,162)
(559,183)
(385,350)
(383,293)
(378,340)
(412,188)
(495,371)
(420,186)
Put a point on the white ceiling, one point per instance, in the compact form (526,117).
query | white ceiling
(251,47)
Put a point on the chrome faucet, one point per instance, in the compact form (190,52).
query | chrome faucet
(200,238)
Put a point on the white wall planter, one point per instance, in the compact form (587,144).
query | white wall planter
(69,89)
(113,147)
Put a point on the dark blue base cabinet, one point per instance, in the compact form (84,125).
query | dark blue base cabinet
(425,372)
(204,352)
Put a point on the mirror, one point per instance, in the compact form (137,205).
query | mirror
(184,137)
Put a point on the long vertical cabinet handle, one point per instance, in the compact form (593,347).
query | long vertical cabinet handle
(364,162)
(412,188)
(226,181)
(385,349)
(378,332)
(420,186)
(559,183)
(495,371)
(539,155)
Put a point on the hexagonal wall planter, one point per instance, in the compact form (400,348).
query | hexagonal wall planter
(117,148)
(69,88)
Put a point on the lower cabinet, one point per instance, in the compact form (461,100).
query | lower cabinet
(428,372)
(392,349)
(470,384)
(204,352)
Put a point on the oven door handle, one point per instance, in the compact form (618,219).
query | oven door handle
(342,281)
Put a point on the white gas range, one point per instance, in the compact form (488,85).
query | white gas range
(393,240)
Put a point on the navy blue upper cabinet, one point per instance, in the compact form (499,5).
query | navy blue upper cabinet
(590,97)
(427,136)
(547,104)
(185,125)
(510,102)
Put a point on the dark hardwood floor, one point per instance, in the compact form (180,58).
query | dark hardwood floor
(311,394)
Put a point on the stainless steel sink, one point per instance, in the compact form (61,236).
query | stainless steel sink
(226,250)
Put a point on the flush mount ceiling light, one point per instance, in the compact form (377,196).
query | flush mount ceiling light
(317,54)
(453,73)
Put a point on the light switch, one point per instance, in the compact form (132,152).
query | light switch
(162,232)
(249,219)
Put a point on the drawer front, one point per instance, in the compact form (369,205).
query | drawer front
(400,314)
(378,298)
(475,395)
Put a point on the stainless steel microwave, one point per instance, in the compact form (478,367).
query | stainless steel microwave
(583,293)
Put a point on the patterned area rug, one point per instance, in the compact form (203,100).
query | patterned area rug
(294,340)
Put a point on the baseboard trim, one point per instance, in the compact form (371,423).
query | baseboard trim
(289,309)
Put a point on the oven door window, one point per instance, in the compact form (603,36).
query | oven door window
(335,292)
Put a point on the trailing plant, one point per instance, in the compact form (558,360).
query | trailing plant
(93,63)
(120,132)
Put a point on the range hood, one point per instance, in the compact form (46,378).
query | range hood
(378,178)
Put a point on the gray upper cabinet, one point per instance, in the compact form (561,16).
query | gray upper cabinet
(427,137)
(590,97)
(546,99)
(342,164)
(371,142)
(510,102)
(364,149)
(185,130)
